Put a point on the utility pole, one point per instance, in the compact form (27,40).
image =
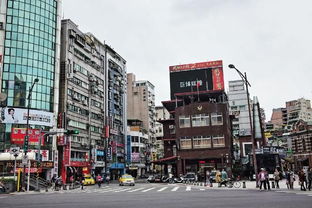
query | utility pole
(247,84)
(26,140)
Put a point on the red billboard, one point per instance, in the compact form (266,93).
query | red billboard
(18,136)
(196,78)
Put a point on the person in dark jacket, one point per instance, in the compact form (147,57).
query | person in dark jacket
(302,179)
(310,179)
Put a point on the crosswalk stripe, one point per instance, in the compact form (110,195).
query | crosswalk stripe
(188,188)
(108,190)
(135,190)
(123,190)
(146,190)
(162,189)
(175,188)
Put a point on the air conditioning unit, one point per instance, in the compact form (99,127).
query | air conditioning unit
(85,102)
(171,126)
(75,97)
(72,33)
(91,78)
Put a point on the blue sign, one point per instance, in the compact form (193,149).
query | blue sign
(99,152)
(117,166)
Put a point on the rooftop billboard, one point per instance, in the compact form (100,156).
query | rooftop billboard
(196,78)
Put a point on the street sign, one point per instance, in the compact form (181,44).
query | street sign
(25,160)
(14,150)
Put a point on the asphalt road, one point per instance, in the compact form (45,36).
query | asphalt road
(158,195)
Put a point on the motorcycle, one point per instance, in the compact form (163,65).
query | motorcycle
(166,179)
(178,180)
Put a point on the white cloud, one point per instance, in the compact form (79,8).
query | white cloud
(270,40)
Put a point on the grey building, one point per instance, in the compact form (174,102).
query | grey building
(116,118)
(82,100)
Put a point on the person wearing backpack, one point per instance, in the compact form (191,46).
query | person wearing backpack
(262,178)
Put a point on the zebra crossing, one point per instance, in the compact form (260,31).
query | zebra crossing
(145,189)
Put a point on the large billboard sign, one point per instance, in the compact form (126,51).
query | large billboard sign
(196,78)
(18,136)
(19,116)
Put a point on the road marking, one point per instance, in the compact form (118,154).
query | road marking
(202,189)
(164,188)
(188,188)
(123,190)
(175,188)
(135,190)
(3,197)
(109,189)
(146,190)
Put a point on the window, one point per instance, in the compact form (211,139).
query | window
(218,141)
(135,139)
(216,119)
(184,121)
(242,107)
(202,142)
(200,120)
(77,124)
(185,143)
(95,129)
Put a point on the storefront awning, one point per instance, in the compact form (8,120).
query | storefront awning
(165,160)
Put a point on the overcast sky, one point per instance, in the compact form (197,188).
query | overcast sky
(271,40)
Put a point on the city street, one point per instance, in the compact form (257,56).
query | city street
(159,195)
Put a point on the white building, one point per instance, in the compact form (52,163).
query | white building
(238,103)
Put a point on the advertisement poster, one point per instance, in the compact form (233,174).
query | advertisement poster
(19,116)
(18,136)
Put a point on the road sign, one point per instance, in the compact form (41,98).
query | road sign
(14,150)
(25,160)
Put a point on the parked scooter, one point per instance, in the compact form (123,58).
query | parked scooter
(166,179)
(178,179)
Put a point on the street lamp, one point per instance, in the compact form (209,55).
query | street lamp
(244,78)
(27,126)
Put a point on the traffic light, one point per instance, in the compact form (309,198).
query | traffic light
(26,143)
(70,132)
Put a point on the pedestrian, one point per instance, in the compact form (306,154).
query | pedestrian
(277,177)
(53,179)
(302,179)
(82,182)
(310,179)
(262,178)
(99,180)
(2,187)
(224,177)
(267,179)
(218,177)
(71,179)
(207,181)
(107,178)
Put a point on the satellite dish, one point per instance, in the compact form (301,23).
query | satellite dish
(3,97)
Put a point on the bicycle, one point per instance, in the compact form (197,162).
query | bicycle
(232,183)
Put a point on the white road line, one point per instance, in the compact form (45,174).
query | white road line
(164,188)
(188,188)
(3,197)
(108,190)
(175,188)
(146,190)
(135,190)
(202,189)
(123,190)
